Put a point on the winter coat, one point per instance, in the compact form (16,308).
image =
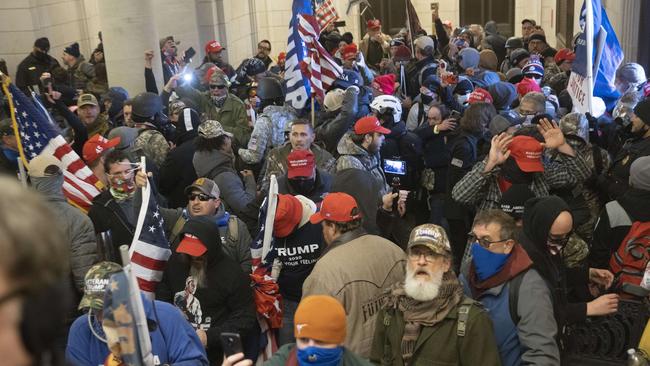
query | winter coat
(224,305)
(385,47)
(80,74)
(417,72)
(435,154)
(358,280)
(284,357)
(268,132)
(404,145)
(276,162)
(107,215)
(76,226)
(99,127)
(529,341)
(616,180)
(173,341)
(31,68)
(177,172)
(353,156)
(331,126)
(439,344)
(239,196)
(365,189)
(615,223)
(322,186)
(232,115)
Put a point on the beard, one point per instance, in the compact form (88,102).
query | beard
(198,272)
(422,289)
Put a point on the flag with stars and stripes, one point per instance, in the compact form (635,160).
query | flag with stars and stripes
(319,65)
(39,134)
(298,89)
(149,250)
(325,13)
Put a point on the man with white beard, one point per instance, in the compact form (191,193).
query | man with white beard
(427,319)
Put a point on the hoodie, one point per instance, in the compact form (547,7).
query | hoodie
(173,341)
(225,304)
(353,156)
(539,215)
(77,227)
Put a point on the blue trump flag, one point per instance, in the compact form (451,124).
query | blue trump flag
(298,88)
(610,57)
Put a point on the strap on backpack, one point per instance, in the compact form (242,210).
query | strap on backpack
(233,229)
(513,296)
(598,159)
(463,315)
(176,230)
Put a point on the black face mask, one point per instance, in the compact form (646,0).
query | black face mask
(511,172)
(40,55)
(303,186)
(426,99)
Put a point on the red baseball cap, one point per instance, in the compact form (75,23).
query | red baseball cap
(191,245)
(337,207)
(480,95)
(287,215)
(349,51)
(373,24)
(527,152)
(213,46)
(300,163)
(282,56)
(564,54)
(369,124)
(96,146)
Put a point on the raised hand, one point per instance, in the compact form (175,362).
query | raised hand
(553,136)
(499,151)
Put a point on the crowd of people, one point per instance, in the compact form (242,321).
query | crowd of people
(444,206)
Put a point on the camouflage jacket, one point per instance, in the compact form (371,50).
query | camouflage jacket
(80,74)
(276,162)
(99,127)
(153,145)
(268,132)
(353,156)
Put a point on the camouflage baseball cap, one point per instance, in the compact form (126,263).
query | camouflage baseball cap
(431,236)
(212,129)
(87,99)
(95,284)
(219,78)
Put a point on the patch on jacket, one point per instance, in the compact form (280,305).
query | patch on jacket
(457,162)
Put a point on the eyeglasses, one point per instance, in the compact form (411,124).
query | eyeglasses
(201,196)
(559,242)
(428,256)
(213,86)
(482,241)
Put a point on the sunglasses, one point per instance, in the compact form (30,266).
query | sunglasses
(201,196)
(212,86)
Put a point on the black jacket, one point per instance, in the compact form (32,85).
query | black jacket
(177,171)
(106,214)
(322,186)
(30,69)
(225,304)
(436,155)
(365,189)
(331,126)
(404,145)
(616,180)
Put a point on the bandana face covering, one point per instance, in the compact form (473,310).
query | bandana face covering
(317,356)
(219,101)
(122,186)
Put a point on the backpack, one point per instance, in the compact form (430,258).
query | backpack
(628,263)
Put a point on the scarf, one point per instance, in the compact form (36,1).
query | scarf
(418,314)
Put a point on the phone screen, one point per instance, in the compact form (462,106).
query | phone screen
(397,167)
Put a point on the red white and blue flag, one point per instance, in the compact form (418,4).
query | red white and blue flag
(325,13)
(149,250)
(40,135)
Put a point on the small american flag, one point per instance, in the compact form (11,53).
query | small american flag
(38,134)
(325,13)
(320,66)
(149,250)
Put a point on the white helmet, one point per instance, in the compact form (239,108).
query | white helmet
(384,102)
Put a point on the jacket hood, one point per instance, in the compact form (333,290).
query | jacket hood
(347,147)
(539,215)
(51,186)
(206,161)
(187,125)
(636,202)
(207,231)
(280,112)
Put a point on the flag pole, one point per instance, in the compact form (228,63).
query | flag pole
(589,30)
(313,109)
(408,25)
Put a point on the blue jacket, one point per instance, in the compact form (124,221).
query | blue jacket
(173,341)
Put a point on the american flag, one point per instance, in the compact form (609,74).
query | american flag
(298,89)
(149,250)
(40,135)
(319,65)
(325,13)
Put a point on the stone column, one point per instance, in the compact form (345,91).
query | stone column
(129,28)
(179,19)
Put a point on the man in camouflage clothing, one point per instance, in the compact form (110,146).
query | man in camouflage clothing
(359,149)
(146,109)
(88,112)
(217,104)
(301,137)
(79,72)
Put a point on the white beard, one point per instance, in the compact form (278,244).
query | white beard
(422,290)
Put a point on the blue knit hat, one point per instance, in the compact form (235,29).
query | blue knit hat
(533,68)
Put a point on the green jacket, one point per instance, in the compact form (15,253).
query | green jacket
(281,357)
(232,115)
(440,344)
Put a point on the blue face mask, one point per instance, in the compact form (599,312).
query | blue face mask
(320,356)
(487,264)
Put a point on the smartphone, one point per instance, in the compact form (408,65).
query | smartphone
(455,115)
(189,53)
(397,167)
(231,344)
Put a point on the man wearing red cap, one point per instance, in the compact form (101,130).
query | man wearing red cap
(278,68)
(349,56)
(375,45)
(359,149)
(303,178)
(214,54)
(518,160)
(212,291)
(94,152)
(356,268)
